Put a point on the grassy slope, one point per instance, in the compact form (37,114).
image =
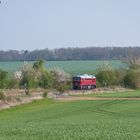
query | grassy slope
(79,120)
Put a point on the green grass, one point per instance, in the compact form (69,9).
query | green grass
(127,94)
(73,67)
(77,120)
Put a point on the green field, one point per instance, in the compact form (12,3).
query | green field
(76,120)
(127,94)
(73,67)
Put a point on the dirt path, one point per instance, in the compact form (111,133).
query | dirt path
(93,98)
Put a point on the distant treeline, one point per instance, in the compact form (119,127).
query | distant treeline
(88,53)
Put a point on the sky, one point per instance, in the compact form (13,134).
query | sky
(39,24)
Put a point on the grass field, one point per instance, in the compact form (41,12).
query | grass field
(127,94)
(77,120)
(73,67)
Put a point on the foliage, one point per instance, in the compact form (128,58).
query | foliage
(38,65)
(132,79)
(61,80)
(46,80)
(3,79)
(14,80)
(36,76)
(60,75)
(27,92)
(2,95)
(61,87)
(105,76)
(29,76)
(45,94)
(44,77)
(13,83)
(77,120)
(119,74)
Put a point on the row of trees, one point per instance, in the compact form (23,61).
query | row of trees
(37,76)
(88,53)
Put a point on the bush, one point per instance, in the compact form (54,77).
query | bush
(3,79)
(120,74)
(27,92)
(13,83)
(35,76)
(2,96)
(61,80)
(132,79)
(45,94)
(62,87)
(45,80)
(106,77)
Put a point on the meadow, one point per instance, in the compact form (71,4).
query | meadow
(125,94)
(75,120)
(73,67)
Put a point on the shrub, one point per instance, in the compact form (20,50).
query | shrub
(2,96)
(45,94)
(59,75)
(29,77)
(62,87)
(35,76)
(3,79)
(120,74)
(132,79)
(106,78)
(13,83)
(45,80)
(27,92)
(61,80)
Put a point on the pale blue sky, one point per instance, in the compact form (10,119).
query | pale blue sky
(38,24)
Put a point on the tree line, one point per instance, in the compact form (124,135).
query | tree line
(36,75)
(88,53)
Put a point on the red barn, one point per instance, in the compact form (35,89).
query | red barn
(84,82)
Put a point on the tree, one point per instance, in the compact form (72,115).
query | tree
(132,77)
(38,65)
(29,76)
(61,79)
(45,80)
(36,75)
(105,76)
(43,76)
